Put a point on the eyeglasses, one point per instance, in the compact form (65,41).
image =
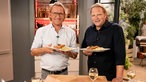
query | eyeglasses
(56,13)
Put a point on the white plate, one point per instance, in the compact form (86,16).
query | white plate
(96,50)
(69,49)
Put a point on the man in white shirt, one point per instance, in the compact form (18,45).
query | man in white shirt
(54,62)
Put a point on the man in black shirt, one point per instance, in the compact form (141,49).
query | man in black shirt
(105,34)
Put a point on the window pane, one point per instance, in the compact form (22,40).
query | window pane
(110,11)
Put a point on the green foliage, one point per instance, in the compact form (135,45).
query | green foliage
(127,63)
(131,22)
(131,15)
(133,9)
(129,30)
(131,33)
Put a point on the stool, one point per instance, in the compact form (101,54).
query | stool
(141,56)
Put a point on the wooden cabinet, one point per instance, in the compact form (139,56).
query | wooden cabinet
(6,61)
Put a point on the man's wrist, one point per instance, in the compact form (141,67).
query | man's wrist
(118,79)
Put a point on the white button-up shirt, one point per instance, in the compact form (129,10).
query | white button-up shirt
(47,35)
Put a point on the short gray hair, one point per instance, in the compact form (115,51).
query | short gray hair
(58,4)
(98,5)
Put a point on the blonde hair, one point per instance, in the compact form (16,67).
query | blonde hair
(98,5)
(57,4)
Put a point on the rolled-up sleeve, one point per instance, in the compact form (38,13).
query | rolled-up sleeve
(119,45)
(37,42)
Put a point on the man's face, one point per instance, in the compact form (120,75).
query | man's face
(98,16)
(57,15)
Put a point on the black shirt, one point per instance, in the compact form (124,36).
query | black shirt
(110,36)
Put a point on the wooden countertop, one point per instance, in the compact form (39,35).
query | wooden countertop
(73,78)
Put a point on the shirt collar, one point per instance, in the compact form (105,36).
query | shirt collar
(54,28)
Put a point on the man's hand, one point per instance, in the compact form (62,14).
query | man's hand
(119,79)
(87,53)
(119,74)
(43,50)
(70,54)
